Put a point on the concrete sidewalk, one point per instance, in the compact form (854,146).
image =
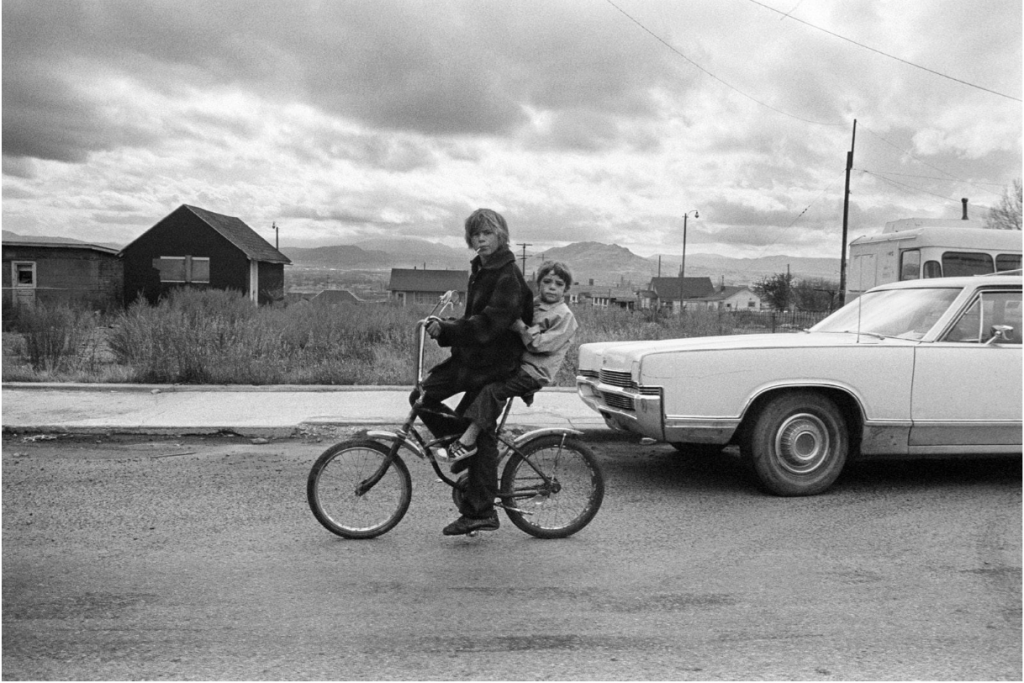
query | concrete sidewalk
(271,411)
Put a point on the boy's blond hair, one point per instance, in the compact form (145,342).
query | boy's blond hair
(486,218)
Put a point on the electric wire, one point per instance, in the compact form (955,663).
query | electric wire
(925,163)
(726,84)
(885,54)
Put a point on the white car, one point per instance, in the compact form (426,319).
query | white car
(912,369)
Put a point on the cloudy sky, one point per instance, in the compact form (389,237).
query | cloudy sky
(599,120)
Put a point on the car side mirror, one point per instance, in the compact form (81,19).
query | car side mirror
(1000,333)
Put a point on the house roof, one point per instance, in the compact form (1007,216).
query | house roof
(240,235)
(335,296)
(55,242)
(417,280)
(693,287)
(727,292)
(614,293)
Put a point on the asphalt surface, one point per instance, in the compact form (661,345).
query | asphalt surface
(264,411)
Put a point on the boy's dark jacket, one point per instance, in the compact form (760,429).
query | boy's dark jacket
(497,294)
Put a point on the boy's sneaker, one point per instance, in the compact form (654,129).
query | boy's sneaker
(464,525)
(460,451)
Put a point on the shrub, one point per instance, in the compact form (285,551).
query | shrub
(53,335)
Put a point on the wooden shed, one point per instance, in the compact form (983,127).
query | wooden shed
(50,270)
(200,248)
(415,286)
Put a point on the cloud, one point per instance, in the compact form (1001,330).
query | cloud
(349,119)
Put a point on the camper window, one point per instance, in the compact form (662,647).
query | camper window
(910,264)
(1007,262)
(957,263)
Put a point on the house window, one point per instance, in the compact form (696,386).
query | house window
(24,273)
(183,269)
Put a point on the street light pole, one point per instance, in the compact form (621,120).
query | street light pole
(682,264)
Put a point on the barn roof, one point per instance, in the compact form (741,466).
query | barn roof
(240,235)
(416,280)
(693,287)
(14,239)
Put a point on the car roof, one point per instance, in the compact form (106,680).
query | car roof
(955,282)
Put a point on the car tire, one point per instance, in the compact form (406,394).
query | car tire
(798,444)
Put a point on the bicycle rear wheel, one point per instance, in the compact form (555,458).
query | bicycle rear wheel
(564,499)
(331,489)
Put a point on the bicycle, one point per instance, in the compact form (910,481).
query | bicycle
(551,485)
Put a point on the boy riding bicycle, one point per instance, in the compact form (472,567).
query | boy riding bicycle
(484,350)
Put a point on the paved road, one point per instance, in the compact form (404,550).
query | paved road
(197,559)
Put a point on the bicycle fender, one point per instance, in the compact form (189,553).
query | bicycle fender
(393,436)
(523,438)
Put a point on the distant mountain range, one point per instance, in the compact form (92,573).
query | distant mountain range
(604,264)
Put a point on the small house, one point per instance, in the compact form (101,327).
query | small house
(420,286)
(730,299)
(665,292)
(607,297)
(199,248)
(50,270)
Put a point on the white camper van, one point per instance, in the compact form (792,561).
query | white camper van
(915,248)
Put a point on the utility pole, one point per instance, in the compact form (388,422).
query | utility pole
(525,245)
(682,264)
(846,218)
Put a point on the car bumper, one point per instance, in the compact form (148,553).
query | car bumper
(641,411)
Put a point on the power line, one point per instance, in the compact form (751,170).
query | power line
(728,85)
(905,186)
(884,54)
(923,163)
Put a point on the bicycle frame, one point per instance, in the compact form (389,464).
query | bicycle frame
(410,438)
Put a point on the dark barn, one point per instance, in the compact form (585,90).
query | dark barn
(199,248)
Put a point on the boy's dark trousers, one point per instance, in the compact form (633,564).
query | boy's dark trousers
(445,380)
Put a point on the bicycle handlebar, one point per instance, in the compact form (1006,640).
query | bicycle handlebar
(445,301)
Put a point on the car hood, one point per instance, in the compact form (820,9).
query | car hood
(590,354)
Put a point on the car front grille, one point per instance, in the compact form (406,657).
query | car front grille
(617,378)
(618,401)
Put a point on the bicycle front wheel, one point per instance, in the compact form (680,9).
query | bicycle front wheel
(553,488)
(335,495)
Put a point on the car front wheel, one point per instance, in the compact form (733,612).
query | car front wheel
(798,444)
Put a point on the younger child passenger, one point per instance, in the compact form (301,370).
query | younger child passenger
(547,341)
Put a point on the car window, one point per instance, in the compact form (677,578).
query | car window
(905,313)
(910,264)
(1008,262)
(957,263)
(988,309)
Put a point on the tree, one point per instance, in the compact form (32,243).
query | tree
(775,290)
(1006,216)
(815,294)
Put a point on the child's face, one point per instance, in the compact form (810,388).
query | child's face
(485,242)
(551,288)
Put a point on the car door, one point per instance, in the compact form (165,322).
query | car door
(966,393)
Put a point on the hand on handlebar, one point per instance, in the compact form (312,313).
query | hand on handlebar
(433,326)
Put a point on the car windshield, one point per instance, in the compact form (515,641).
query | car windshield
(903,313)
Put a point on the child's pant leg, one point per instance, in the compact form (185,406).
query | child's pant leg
(488,404)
